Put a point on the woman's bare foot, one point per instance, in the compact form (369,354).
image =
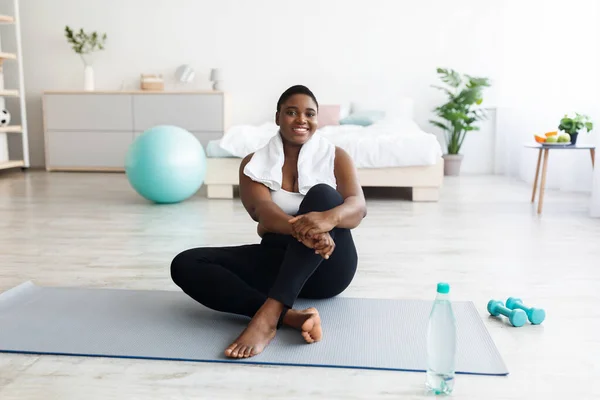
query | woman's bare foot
(259,332)
(308,321)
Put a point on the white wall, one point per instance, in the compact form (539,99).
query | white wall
(541,56)
(342,49)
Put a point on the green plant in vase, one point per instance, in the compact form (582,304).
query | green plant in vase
(84,44)
(574,124)
(460,114)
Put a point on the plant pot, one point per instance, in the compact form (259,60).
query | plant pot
(573,138)
(452,163)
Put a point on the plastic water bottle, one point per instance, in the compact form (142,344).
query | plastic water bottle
(441,344)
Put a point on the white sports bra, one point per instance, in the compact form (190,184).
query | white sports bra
(289,202)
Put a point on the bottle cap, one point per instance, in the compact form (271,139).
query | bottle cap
(443,288)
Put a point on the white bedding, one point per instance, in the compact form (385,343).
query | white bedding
(387,143)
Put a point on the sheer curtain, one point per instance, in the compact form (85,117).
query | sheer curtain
(547,71)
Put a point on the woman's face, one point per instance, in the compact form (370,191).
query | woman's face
(297,119)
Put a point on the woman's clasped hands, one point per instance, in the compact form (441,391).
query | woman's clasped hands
(312,229)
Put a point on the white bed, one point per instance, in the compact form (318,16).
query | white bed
(389,153)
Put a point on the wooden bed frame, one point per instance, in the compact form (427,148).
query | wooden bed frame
(426,181)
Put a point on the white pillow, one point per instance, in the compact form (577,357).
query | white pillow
(345,109)
(241,140)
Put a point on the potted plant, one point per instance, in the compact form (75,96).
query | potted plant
(459,114)
(85,44)
(573,124)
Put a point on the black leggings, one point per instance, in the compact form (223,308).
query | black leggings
(239,279)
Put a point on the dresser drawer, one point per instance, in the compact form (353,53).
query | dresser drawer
(79,149)
(193,112)
(103,112)
(203,137)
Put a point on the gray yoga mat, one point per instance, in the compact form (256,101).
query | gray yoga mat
(168,325)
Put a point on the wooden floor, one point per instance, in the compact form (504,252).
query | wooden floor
(483,237)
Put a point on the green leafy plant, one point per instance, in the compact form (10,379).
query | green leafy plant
(572,125)
(460,113)
(85,43)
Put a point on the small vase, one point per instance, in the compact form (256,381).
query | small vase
(573,138)
(88,78)
(452,163)
(218,86)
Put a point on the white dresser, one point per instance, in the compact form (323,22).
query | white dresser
(92,131)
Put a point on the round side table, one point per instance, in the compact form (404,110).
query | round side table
(544,149)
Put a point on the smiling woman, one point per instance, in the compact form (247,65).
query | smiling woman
(304,194)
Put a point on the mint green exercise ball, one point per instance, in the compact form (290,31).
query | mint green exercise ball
(166,164)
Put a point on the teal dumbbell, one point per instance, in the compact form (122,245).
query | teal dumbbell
(535,315)
(516,317)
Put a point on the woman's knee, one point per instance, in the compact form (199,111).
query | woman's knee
(321,197)
(191,264)
(180,265)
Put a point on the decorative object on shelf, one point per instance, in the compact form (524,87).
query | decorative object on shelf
(85,44)
(185,74)
(4,117)
(152,82)
(572,125)
(459,114)
(216,77)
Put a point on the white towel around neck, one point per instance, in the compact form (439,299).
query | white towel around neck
(315,164)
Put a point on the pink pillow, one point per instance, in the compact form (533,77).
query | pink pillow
(329,115)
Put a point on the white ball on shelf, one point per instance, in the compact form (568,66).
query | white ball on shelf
(4,117)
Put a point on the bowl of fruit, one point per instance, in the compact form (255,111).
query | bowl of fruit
(553,138)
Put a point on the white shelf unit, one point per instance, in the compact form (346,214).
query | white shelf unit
(11,52)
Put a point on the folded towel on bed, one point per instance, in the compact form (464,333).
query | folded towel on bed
(315,164)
